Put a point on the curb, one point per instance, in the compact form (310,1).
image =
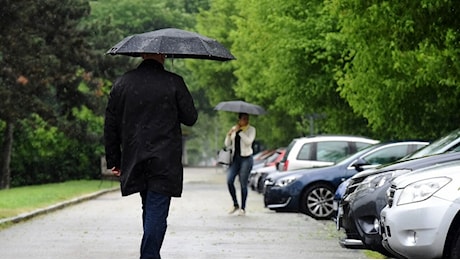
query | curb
(60,205)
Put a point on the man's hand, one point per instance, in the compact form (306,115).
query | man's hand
(116,171)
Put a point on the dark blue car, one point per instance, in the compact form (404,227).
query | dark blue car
(311,191)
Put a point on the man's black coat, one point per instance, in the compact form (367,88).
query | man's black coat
(143,123)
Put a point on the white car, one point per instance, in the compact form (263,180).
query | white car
(422,217)
(319,151)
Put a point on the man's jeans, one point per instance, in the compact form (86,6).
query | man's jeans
(240,166)
(155,209)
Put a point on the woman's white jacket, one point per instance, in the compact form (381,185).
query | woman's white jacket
(247,138)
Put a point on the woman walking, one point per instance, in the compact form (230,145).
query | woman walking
(240,137)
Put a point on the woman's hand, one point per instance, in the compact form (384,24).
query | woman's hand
(233,130)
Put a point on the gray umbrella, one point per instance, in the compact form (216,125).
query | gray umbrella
(240,107)
(175,43)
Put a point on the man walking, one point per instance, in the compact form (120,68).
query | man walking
(143,141)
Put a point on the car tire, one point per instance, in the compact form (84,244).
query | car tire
(260,184)
(454,250)
(317,201)
(252,182)
(251,185)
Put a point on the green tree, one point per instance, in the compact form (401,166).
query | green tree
(216,79)
(286,62)
(402,64)
(114,20)
(38,63)
(110,21)
(212,81)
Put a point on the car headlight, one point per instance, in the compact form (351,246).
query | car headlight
(286,180)
(376,181)
(422,190)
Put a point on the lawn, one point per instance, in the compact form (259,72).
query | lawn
(20,200)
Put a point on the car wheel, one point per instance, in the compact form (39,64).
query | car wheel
(454,250)
(317,201)
(260,184)
(252,186)
(251,182)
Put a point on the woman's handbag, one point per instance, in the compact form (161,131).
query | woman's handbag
(224,156)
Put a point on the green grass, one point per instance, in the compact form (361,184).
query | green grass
(20,200)
(374,255)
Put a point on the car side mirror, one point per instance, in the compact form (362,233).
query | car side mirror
(359,164)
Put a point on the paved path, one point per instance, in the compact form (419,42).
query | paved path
(109,226)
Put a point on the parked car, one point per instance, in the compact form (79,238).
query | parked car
(361,209)
(444,144)
(323,150)
(447,143)
(358,213)
(260,158)
(276,157)
(311,191)
(257,178)
(422,217)
(257,175)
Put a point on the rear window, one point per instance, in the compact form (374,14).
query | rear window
(305,152)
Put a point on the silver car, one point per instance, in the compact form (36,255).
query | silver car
(422,218)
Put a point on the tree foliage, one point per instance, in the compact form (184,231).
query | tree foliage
(39,64)
(382,68)
(402,70)
(287,62)
(65,80)
(30,60)
(44,154)
(214,79)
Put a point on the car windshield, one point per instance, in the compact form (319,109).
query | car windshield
(274,156)
(437,146)
(347,159)
(360,148)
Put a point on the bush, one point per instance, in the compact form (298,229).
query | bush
(43,154)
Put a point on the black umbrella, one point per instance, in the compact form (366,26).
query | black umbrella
(175,43)
(240,107)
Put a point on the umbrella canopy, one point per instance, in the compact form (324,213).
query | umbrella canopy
(175,43)
(240,107)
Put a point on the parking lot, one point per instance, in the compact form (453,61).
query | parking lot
(109,226)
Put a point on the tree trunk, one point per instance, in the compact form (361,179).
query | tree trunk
(5,159)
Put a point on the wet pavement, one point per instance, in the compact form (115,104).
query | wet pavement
(109,226)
